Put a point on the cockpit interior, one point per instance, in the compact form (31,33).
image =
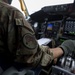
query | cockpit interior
(55,23)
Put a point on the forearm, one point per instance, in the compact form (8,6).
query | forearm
(65,48)
(57,52)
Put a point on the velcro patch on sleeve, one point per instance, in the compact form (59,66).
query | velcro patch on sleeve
(19,21)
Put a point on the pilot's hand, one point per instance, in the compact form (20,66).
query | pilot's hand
(68,46)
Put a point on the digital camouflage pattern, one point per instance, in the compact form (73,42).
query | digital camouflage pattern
(17,38)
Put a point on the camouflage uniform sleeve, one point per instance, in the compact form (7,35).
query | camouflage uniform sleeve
(28,51)
(47,56)
(3,26)
(2,48)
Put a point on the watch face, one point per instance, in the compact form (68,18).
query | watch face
(29,41)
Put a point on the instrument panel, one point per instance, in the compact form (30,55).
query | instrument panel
(61,28)
(51,29)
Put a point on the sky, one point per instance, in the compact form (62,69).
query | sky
(35,5)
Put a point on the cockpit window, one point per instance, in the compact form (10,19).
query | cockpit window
(35,5)
(16,4)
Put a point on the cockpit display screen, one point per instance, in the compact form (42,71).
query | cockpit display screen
(50,26)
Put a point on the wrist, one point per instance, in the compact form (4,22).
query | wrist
(57,52)
(64,49)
